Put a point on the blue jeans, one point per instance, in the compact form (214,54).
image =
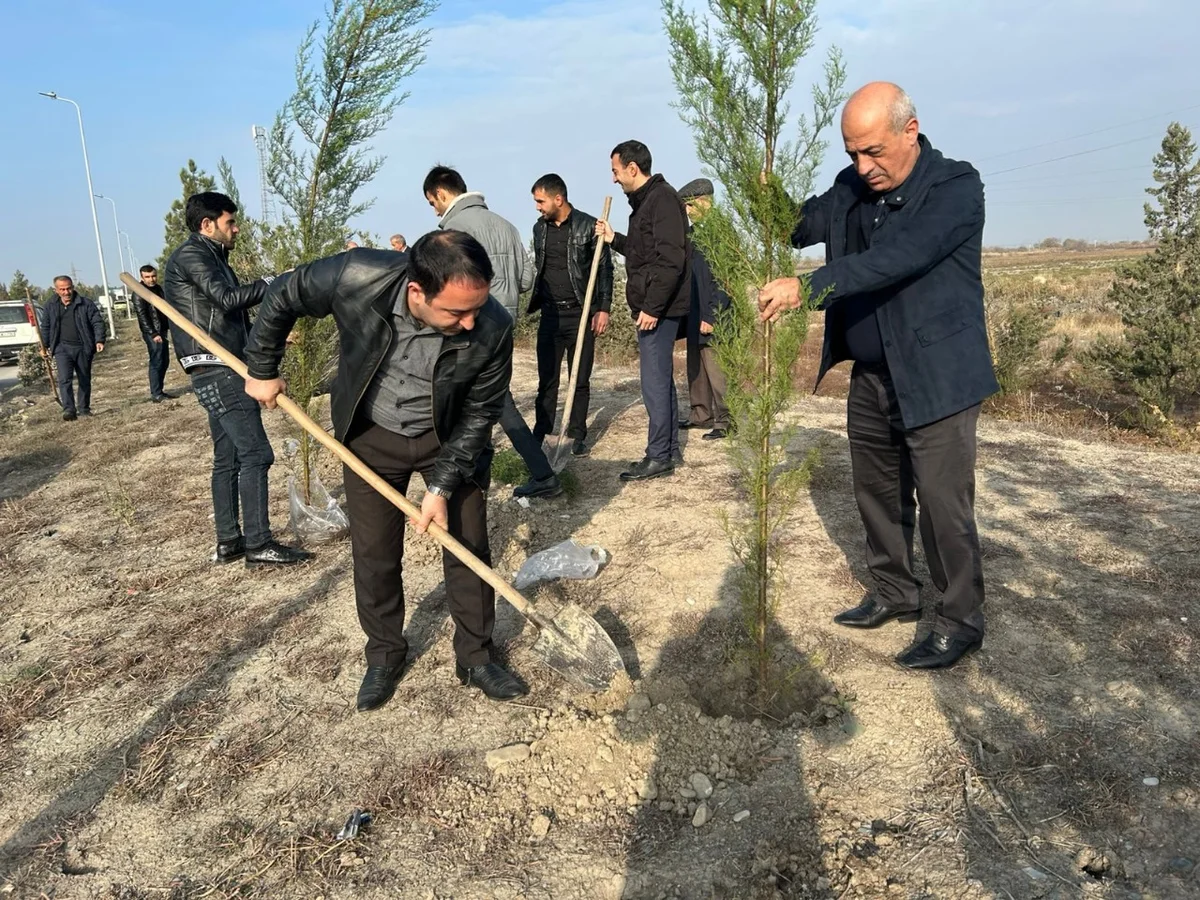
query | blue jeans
(656,360)
(242,456)
(74,359)
(160,359)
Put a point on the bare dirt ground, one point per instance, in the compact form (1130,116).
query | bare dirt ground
(169,729)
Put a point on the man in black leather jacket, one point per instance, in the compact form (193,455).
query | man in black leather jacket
(199,282)
(155,329)
(564,243)
(424,367)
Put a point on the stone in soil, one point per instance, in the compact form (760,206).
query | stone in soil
(502,756)
(741,816)
(702,785)
(702,815)
(540,827)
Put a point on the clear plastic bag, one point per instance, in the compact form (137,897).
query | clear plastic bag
(565,560)
(322,521)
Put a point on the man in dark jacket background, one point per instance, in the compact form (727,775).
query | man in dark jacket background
(73,333)
(155,329)
(706,381)
(198,281)
(564,244)
(658,291)
(424,367)
(903,293)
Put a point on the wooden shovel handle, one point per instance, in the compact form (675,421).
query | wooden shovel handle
(584,324)
(289,406)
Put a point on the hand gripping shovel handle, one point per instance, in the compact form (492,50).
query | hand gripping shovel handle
(443,537)
(37,330)
(584,324)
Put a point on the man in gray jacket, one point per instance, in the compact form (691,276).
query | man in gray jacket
(463,210)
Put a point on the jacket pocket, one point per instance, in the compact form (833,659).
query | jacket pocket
(941,327)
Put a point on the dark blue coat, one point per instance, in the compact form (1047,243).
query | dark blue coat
(88,322)
(924,265)
(709,300)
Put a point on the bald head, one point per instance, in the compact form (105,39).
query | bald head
(880,131)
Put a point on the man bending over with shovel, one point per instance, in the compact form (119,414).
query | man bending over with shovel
(425,364)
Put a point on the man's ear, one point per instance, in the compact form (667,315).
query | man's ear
(416,293)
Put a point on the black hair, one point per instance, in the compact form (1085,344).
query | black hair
(444,256)
(550,184)
(147,268)
(443,177)
(633,152)
(206,205)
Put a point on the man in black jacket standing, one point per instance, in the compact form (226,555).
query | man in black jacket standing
(424,367)
(706,381)
(564,244)
(73,333)
(155,328)
(658,291)
(903,294)
(198,281)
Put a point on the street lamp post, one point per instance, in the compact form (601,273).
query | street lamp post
(120,252)
(87,168)
(133,266)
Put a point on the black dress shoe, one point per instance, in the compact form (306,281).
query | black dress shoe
(539,487)
(273,553)
(715,435)
(649,468)
(937,651)
(492,679)
(685,424)
(377,686)
(229,551)
(69,417)
(871,614)
(579,448)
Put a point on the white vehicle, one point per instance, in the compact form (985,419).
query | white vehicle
(15,330)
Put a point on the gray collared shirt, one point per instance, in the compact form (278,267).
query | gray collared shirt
(400,397)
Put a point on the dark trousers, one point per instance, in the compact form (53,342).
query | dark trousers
(242,456)
(656,360)
(377,543)
(706,386)
(527,446)
(76,360)
(557,333)
(894,470)
(160,359)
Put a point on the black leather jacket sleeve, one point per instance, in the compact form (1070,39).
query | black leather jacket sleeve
(216,283)
(308,291)
(142,308)
(604,281)
(481,409)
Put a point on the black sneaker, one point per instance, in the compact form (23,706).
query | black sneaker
(649,468)
(579,448)
(273,553)
(539,487)
(229,551)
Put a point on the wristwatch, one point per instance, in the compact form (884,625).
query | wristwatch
(440,492)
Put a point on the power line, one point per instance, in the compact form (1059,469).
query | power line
(1087,134)
(1141,167)
(1044,162)
(1096,199)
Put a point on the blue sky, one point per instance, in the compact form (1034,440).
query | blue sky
(512,90)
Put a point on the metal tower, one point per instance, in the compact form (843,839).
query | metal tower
(266,204)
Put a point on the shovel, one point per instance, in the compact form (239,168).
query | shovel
(584,324)
(570,642)
(32,314)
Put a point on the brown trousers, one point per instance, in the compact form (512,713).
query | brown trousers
(377,542)
(706,387)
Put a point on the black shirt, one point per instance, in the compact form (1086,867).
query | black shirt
(68,330)
(860,327)
(555,284)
